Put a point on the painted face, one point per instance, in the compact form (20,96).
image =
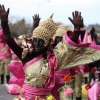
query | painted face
(38,45)
(58,39)
(96,75)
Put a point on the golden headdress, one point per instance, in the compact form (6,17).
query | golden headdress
(60,31)
(45,30)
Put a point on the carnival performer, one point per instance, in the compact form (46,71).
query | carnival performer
(5,57)
(76,83)
(94,91)
(94,39)
(18,74)
(40,65)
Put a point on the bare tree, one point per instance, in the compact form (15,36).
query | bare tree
(19,27)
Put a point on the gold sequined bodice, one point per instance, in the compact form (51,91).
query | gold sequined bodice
(37,73)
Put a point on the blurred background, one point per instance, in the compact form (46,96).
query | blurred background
(21,12)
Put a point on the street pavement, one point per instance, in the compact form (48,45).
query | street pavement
(3,92)
(4,95)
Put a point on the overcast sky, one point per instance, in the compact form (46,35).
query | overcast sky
(62,9)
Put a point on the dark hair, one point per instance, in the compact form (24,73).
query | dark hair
(99,73)
(92,76)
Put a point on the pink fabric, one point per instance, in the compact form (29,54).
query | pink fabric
(74,70)
(84,39)
(94,92)
(67,37)
(49,86)
(87,38)
(53,65)
(84,43)
(13,89)
(52,78)
(58,78)
(68,91)
(31,91)
(15,80)
(85,68)
(94,46)
(16,68)
(62,73)
(68,40)
(32,61)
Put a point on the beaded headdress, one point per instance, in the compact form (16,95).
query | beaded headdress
(60,31)
(45,30)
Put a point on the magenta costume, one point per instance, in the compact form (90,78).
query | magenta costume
(94,91)
(49,80)
(48,86)
(42,74)
(18,74)
(5,57)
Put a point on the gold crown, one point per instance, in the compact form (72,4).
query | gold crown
(45,30)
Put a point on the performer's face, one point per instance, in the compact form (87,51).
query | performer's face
(58,39)
(96,75)
(38,45)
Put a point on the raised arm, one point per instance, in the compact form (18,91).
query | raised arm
(36,21)
(92,32)
(7,34)
(77,21)
(70,53)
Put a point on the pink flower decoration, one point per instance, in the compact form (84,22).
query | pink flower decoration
(68,91)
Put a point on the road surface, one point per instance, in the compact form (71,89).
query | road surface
(4,95)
